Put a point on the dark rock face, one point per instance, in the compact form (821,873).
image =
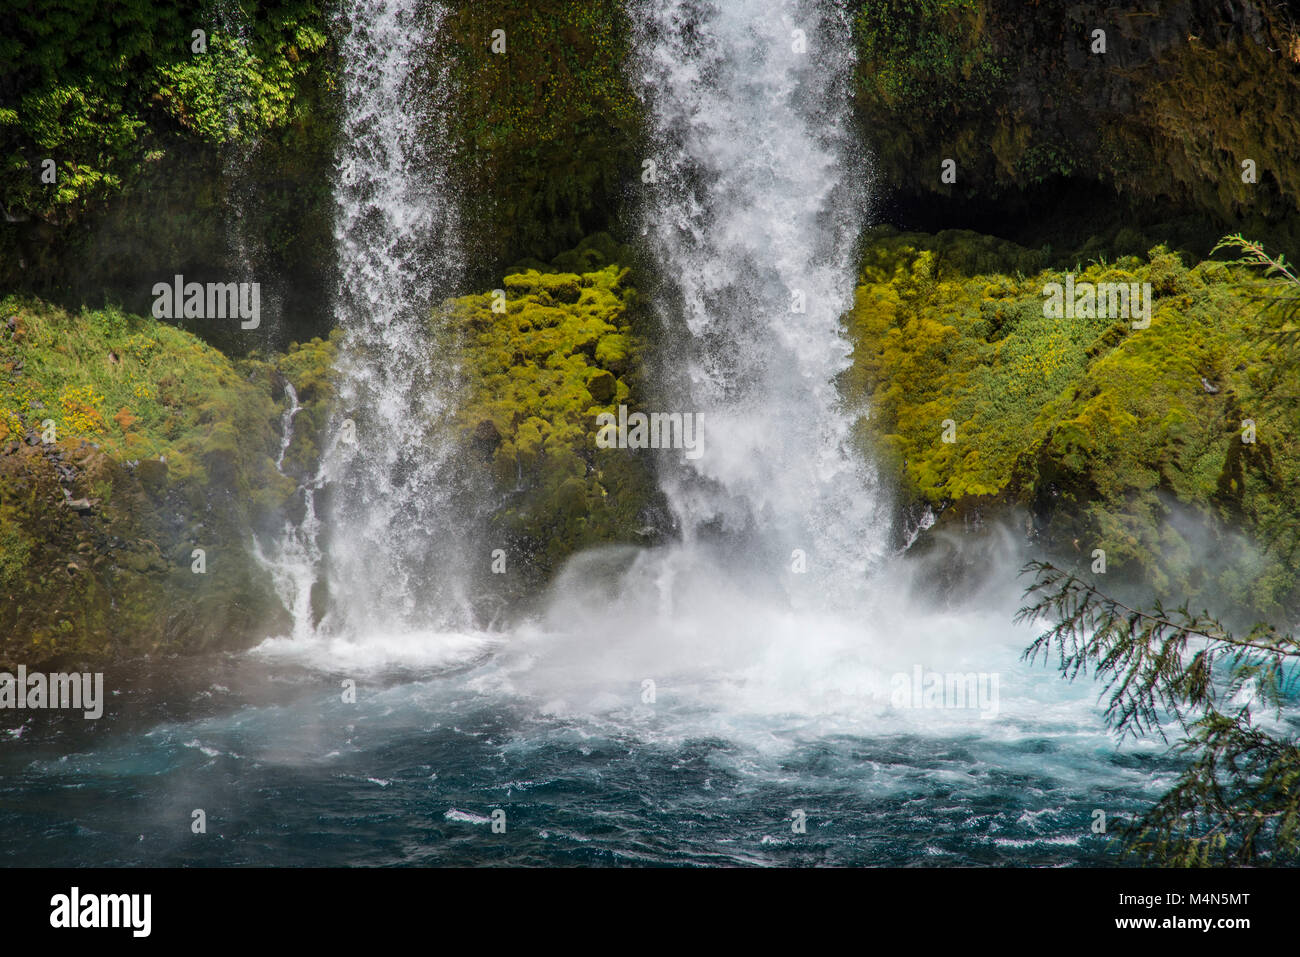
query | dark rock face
(1185,92)
(545,137)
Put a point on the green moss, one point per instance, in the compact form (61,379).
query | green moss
(310,368)
(15,551)
(538,374)
(1106,432)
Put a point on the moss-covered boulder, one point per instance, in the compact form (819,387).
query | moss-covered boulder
(136,463)
(1173,448)
(541,363)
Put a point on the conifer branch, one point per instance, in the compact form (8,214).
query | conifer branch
(1238,801)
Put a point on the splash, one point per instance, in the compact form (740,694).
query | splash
(753,220)
(387,541)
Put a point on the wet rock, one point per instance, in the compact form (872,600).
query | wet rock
(602,386)
(486,437)
(152,473)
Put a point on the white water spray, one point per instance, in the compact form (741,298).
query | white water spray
(754,222)
(392,553)
(388,536)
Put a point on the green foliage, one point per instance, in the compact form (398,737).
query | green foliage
(538,375)
(1106,433)
(244,84)
(84,87)
(930,55)
(1281,296)
(1238,800)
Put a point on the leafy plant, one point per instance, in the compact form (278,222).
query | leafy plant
(1282,273)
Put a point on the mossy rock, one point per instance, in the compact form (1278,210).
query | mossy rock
(100,524)
(1117,438)
(565,349)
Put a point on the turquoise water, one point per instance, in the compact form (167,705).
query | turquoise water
(547,727)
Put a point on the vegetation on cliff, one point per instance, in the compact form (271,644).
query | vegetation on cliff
(157,138)
(1129,440)
(126,444)
(103,100)
(1181,96)
(564,349)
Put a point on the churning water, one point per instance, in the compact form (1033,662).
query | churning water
(703,702)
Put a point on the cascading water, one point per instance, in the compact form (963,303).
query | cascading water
(297,559)
(389,543)
(754,219)
(670,705)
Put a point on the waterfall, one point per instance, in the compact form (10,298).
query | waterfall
(774,601)
(297,558)
(391,553)
(389,545)
(753,221)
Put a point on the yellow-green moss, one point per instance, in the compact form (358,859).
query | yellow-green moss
(1105,431)
(563,351)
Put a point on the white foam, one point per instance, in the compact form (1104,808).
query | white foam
(465,817)
(381,651)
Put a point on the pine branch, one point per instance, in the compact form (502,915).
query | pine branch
(1238,801)
(1155,666)
(1283,275)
